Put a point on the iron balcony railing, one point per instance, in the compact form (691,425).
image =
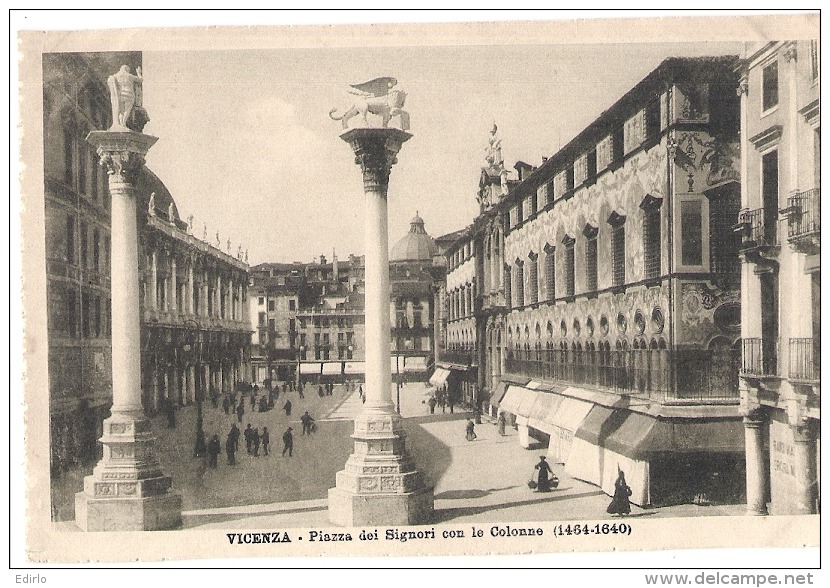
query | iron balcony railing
(759,356)
(758,228)
(803,364)
(805,213)
(660,374)
(458,356)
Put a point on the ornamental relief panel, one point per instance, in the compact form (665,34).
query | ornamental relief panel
(707,312)
(602,313)
(703,162)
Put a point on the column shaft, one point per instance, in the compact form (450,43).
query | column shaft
(756,471)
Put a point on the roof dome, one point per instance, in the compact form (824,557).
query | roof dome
(416,245)
(149,183)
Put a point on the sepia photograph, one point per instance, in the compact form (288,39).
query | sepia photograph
(420,289)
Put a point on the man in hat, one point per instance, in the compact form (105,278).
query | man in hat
(288,442)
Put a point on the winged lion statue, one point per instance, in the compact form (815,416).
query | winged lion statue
(376,97)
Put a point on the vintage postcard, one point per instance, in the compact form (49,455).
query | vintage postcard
(421,289)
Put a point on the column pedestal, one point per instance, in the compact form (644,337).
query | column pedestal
(379,485)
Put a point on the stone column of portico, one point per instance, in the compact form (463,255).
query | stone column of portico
(127,490)
(804,464)
(379,485)
(756,470)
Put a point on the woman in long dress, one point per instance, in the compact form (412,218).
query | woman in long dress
(543,479)
(620,504)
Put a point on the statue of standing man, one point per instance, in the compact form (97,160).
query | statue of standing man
(126,92)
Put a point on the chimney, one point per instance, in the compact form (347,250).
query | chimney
(334,269)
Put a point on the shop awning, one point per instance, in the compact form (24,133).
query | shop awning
(415,364)
(514,398)
(640,436)
(332,368)
(354,367)
(498,394)
(571,413)
(600,423)
(310,368)
(439,377)
(541,414)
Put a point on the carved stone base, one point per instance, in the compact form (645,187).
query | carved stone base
(380,485)
(127,490)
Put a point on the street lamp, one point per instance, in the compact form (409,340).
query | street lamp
(299,371)
(194,346)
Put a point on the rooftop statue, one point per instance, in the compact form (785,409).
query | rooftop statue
(492,153)
(376,97)
(170,215)
(151,205)
(126,95)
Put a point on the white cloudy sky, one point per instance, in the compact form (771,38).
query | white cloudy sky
(246,144)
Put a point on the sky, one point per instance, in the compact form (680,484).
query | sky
(247,147)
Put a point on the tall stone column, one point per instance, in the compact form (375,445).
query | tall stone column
(756,470)
(127,490)
(379,485)
(804,463)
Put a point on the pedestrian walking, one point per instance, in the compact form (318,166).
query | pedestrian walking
(240,410)
(287,408)
(307,423)
(432,403)
(502,423)
(256,440)
(230,449)
(249,439)
(320,392)
(201,446)
(266,440)
(234,434)
(546,477)
(214,449)
(253,401)
(300,393)
(226,404)
(288,442)
(471,430)
(451,402)
(620,503)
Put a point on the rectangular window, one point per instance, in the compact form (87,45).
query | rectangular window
(85,315)
(618,145)
(570,269)
(550,273)
(68,157)
(691,218)
(653,119)
(770,85)
(569,178)
(271,305)
(96,250)
(592,163)
(534,279)
(591,264)
(724,243)
(272,325)
(507,287)
(70,240)
(618,253)
(292,325)
(261,319)
(769,187)
(651,242)
(84,245)
(292,304)
(71,313)
(97,317)
(520,285)
(106,255)
(261,300)
(814,67)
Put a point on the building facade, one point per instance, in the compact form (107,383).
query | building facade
(600,291)
(193,295)
(780,230)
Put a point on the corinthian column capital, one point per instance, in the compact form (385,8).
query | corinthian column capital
(375,151)
(121,153)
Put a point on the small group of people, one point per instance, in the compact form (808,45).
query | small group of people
(546,480)
(325,389)
(253,439)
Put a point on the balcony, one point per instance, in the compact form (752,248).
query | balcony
(458,357)
(701,378)
(759,237)
(759,358)
(803,367)
(804,221)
